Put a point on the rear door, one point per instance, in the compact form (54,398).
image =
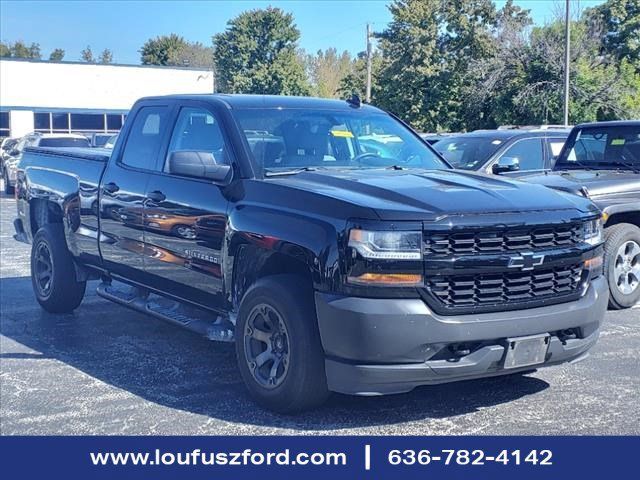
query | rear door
(123,188)
(186,217)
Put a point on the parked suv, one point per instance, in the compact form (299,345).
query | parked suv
(325,238)
(601,161)
(48,140)
(503,151)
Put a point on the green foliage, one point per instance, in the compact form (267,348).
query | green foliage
(20,49)
(427,49)
(57,55)
(621,22)
(175,50)
(257,53)
(86,55)
(462,65)
(106,56)
(356,80)
(162,50)
(326,70)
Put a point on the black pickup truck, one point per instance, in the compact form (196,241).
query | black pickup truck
(325,238)
(601,161)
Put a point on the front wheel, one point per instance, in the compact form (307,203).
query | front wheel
(278,346)
(622,265)
(8,189)
(53,273)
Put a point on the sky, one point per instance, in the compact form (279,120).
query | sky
(124,26)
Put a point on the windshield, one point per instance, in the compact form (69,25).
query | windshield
(289,139)
(468,153)
(64,142)
(603,147)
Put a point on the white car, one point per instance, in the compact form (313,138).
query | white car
(45,140)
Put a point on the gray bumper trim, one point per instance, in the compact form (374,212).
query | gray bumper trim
(379,346)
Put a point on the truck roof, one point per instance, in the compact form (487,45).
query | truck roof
(611,123)
(268,101)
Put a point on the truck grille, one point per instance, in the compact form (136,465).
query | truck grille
(496,241)
(469,291)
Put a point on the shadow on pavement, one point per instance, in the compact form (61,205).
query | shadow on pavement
(166,365)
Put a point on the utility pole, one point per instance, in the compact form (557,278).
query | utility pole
(567,60)
(368,94)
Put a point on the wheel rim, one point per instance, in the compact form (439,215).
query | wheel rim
(43,269)
(186,232)
(266,346)
(626,269)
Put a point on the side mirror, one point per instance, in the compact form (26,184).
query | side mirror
(506,164)
(199,165)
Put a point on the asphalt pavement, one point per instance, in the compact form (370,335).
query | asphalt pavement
(107,370)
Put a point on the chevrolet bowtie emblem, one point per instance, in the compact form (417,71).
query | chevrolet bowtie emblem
(526,261)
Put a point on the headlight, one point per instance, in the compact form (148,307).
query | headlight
(592,232)
(392,245)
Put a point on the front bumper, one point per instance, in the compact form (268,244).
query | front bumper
(383,346)
(12,175)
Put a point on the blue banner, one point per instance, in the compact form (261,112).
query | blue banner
(318,457)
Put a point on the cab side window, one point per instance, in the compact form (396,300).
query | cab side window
(145,138)
(528,152)
(198,130)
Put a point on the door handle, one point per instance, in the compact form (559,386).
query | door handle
(156,196)
(111,187)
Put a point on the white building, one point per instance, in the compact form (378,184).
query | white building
(80,97)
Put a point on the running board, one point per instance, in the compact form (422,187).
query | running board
(169,310)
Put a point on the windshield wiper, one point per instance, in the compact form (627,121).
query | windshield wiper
(293,171)
(634,168)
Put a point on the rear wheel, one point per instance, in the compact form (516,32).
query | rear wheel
(622,265)
(53,273)
(278,347)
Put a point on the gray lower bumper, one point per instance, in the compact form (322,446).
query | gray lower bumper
(380,346)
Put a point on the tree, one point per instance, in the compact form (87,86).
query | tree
(5,51)
(620,20)
(86,55)
(20,49)
(162,50)
(355,82)
(192,54)
(106,56)
(327,69)
(257,53)
(427,50)
(175,50)
(57,55)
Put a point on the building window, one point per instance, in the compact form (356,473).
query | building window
(4,124)
(114,122)
(60,122)
(87,121)
(42,122)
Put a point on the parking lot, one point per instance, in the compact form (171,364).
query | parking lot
(108,370)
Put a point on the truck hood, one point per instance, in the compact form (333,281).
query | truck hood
(420,194)
(597,183)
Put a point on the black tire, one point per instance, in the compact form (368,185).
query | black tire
(8,189)
(303,384)
(617,237)
(61,292)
